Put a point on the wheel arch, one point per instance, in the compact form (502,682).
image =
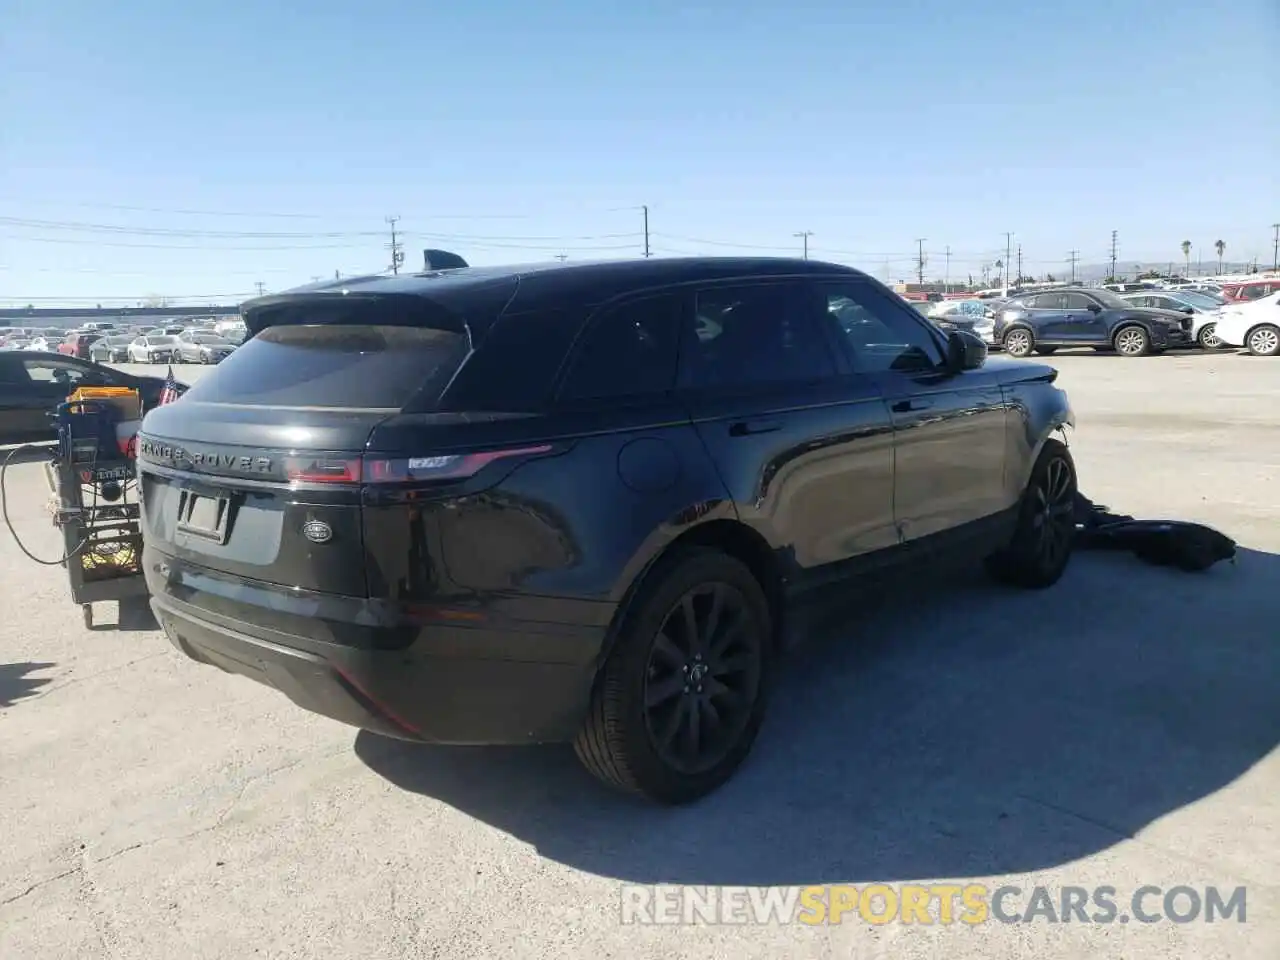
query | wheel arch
(723,533)
(1129,322)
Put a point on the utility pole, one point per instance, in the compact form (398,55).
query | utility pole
(1115,252)
(1275,247)
(1073,258)
(804,236)
(946,274)
(397,255)
(562,257)
(1018,279)
(645,208)
(1008,257)
(262,287)
(920,260)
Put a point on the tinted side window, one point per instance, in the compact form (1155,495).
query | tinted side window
(879,336)
(627,350)
(1074,301)
(515,367)
(758,334)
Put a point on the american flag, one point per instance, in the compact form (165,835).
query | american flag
(170,391)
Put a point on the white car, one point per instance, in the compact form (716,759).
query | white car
(1254,325)
(40,345)
(153,348)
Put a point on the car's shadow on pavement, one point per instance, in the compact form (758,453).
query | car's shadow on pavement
(16,682)
(959,730)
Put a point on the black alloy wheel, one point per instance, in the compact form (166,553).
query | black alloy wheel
(680,699)
(702,679)
(1053,511)
(1044,536)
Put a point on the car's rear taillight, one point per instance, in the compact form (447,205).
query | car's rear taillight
(375,469)
(322,470)
(444,467)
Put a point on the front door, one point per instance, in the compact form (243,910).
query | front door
(804,449)
(949,428)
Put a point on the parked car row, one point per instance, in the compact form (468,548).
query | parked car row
(1132,324)
(104,344)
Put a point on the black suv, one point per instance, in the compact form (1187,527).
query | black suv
(581,502)
(1087,317)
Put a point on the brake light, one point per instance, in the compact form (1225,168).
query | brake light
(321,470)
(444,467)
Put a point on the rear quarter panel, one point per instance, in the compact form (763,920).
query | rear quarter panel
(580,525)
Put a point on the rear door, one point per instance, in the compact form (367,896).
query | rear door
(804,448)
(1049,317)
(255,472)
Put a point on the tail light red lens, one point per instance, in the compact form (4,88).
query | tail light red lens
(322,470)
(385,470)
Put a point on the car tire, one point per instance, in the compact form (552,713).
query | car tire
(1046,351)
(1208,337)
(1019,342)
(655,691)
(1132,340)
(1040,549)
(1263,341)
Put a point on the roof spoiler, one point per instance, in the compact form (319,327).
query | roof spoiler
(441,260)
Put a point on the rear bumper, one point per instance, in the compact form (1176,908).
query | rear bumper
(456,684)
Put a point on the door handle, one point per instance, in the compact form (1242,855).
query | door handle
(746,428)
(906,406)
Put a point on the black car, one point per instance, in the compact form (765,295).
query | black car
(584,502)
(33,384)
(1087,317)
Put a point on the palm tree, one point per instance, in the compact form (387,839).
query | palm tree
(1221,247)
(1186,255)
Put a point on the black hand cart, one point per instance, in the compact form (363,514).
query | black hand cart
(93,480)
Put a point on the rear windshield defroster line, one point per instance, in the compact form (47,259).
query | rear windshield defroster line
(335,366)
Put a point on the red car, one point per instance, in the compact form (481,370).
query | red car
(1250,290)
(77,344)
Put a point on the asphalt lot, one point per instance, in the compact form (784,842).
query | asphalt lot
(1118,729)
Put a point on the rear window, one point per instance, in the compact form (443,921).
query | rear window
(334,366)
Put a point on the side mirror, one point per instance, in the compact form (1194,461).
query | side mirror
(1188,310)
(965,351)
(1094,308)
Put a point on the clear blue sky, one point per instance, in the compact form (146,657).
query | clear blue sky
(227,143)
